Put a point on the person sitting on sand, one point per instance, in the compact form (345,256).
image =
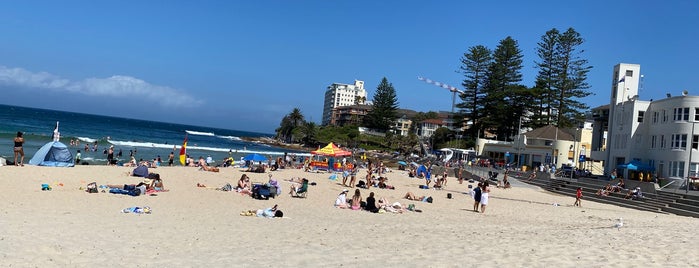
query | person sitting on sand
(244,185)
(131,163)
(371,203)
(438,182)
(356,200)
(156,183)
(382,184)
(341,201)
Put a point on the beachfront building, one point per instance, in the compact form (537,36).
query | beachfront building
(656,136)
(548,146)
(402,125)
(428,126)
(338,95)
(349,115)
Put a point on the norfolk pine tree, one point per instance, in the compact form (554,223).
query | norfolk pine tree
(383,114)
(474,66)
(571,82)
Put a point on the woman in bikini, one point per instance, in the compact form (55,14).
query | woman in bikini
(357,200)
(19,149)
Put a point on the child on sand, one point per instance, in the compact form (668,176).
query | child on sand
(578,197)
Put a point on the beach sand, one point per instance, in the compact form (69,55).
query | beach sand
(195,227)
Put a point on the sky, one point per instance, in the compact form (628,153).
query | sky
(243,65)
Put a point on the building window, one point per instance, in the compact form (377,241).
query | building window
(696,114)
(653,140)
(664,116)
(679,141)
(681,114)
(640,116)
(662,141)
(695,142)
(676,168)
(655,117)
(629,73)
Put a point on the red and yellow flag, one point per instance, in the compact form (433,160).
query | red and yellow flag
(183,151)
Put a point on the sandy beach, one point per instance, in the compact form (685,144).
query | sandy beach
(193,227)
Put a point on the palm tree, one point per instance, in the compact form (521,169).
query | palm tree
(296,117)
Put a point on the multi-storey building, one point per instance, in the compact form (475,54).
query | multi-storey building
(349,115)
(338,95)
(657,136)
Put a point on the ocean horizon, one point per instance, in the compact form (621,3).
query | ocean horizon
(146,139)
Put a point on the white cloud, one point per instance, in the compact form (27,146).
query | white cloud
(115,86)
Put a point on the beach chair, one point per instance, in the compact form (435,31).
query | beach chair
(302,191)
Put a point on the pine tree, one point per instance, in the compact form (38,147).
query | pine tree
(383,113)
(546,78)
(561,81)
(474,65)
(571,83)
(504,75)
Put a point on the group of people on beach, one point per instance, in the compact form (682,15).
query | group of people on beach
(370,204)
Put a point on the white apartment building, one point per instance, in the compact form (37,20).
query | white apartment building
(342,95)
(661,135)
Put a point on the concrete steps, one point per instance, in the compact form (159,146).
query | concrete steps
(660,202)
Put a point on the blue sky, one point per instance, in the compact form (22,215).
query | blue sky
(245,64)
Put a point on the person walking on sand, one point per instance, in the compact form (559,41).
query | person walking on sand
(578,197)
(19,149)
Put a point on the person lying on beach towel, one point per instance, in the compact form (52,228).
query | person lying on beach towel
(412,196)
(272,212)
(204,166)
(129,189)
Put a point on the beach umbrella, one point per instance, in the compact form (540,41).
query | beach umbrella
(255,157)
(402,163)
(331,150)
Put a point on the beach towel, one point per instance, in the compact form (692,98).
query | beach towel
(137,210)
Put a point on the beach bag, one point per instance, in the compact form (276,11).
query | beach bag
(429,199)
(92,188)
(260,191)
(227,187)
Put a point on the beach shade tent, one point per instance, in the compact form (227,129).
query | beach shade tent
(53,154)
(331,150)
(421,169)
(255,158)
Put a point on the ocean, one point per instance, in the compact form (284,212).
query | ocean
(147,139)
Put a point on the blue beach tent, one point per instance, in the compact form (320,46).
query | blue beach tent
(53,154)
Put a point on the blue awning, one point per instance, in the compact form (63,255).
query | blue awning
(636,165)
